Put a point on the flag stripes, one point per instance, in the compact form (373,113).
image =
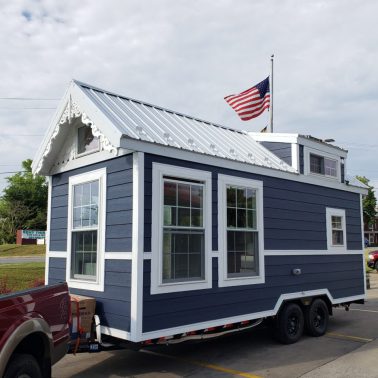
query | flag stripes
(252,102)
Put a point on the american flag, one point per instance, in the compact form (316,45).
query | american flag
(252,102)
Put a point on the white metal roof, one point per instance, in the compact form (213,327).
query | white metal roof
(150,123)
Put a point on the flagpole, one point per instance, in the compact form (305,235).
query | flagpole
(271,94)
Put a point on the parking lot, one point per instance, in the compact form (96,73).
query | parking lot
(349,349)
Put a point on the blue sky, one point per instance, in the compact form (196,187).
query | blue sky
(187,56)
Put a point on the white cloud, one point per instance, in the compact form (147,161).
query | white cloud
(187,56)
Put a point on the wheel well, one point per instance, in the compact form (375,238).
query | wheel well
(37,345)
(304,302)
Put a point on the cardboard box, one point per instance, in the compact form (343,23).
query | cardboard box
(85,306)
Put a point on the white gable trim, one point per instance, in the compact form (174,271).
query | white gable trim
(76,104)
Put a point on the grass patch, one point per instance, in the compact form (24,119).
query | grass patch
(15,277)
(11,250)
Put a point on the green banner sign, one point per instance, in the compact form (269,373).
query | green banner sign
(31,234)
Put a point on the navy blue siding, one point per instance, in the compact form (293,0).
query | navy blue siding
(118,205)
(341,275)
(282,150)
(294,212)
(112,305)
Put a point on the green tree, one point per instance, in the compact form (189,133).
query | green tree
(369,202)
(23,204)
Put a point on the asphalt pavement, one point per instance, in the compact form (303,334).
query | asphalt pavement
(349,349)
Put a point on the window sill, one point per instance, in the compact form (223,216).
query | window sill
(180,286)
(85,285)
(241,281)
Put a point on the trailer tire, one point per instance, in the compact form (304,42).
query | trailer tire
(23,365)
(290,323)
(316,318)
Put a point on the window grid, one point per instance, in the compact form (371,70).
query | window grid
(337,230)
(241,231)
(85,230)
(183,231)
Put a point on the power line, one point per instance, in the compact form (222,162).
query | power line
(13,135)
(9,108)
(29,99)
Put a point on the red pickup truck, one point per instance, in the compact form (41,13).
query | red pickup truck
(34,331)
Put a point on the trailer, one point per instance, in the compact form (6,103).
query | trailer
(182,228)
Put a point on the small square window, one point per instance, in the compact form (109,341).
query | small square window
(86,141)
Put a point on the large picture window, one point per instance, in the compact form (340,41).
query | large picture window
(181,229)
(86,229)
(240,223)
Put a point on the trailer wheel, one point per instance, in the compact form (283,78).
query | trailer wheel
(316,318)
(290,323)
(23,366)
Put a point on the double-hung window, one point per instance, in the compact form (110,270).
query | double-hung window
(240,230)
(336,229)
(86,230)
(181,229)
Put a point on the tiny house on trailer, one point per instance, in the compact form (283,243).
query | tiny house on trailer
(177,225)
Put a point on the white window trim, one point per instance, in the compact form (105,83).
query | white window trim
(307,169)
(223,280)
(98,285)
(339,213)
(158,172)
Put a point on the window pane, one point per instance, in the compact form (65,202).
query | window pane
(170,216)
(337,237)
(85,214)
(86,199)
(183,191)
(78,194)
(197,220)
(170,193)
(183,255)
(183,216)
(197,196)
(330,167)
(86,141)
(231,241)
(84,254)
(337,222)
(231,196)
(317,164)
(241,198)
(251,219)
(241,218)
(242,253)
(251,199)
(231,217)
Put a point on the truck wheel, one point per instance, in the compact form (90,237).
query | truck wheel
(376,265)
(316,318)
(290,323)
(23,366)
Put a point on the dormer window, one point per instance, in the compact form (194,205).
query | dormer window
(323,166)
(86,141)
